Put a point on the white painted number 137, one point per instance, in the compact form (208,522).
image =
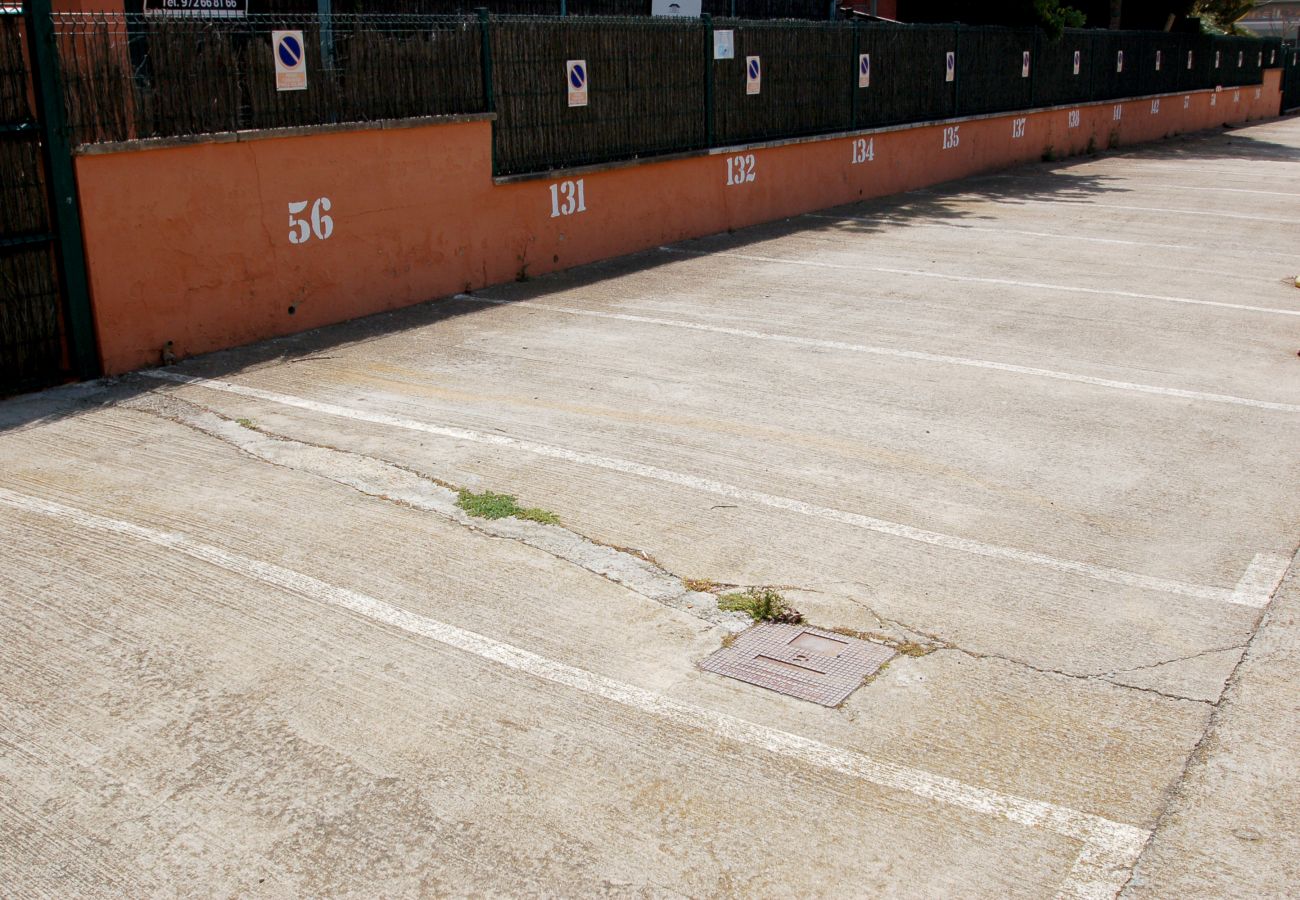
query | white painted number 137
(321,225)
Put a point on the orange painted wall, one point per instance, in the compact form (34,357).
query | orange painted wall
(191,244)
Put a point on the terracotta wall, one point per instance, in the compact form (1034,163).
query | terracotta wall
(193,244)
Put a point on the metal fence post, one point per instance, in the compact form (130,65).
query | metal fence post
(708,78)
(485,31)
(956,72)
(853,82)
(71,252)
(489,96)
(831,17)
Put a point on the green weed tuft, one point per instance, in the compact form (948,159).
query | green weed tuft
(762,605)
(489,505)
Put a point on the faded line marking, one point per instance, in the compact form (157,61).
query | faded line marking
(996,229)
(917,355)
(721,489)
(972,279)
(1200,213)
(1114,840)
(1260,580)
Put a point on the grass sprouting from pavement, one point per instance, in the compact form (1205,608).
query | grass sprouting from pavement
(488,505)
(762,605)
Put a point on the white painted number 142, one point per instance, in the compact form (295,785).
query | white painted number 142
(321,225)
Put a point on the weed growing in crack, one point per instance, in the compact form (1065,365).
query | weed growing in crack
(703,585)
(488,505)
(246,423)
(762,605)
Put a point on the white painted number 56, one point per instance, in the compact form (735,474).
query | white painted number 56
(321,225)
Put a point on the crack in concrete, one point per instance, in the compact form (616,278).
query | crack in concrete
(630,568)
(1201,750)
(402,485)
(937,644)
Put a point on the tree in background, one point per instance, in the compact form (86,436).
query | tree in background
(1223,15)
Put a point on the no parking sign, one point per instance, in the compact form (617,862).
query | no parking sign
(950,66)
(575,71)
(290,61)
(864,70)
(753,75)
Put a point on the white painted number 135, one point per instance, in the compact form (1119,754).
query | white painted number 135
(321,225)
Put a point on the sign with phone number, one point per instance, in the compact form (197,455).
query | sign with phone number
(201,9)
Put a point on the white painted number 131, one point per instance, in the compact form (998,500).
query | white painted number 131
(321,225)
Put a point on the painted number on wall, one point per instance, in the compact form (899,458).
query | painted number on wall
(951,138)
(864,150)
(319,224)
(567,198)
(1017,128)
(1187,102)
(1118,113)
(1074,118)
(1155,107)
(740,169)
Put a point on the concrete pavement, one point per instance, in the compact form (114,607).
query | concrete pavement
(1040,428)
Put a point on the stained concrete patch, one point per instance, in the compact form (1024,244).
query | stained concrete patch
(808,663)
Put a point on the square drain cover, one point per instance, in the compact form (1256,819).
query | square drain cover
(804,662)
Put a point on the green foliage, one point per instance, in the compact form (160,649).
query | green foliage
(488,505)
(1054,17)
(1223,15)
(762,605)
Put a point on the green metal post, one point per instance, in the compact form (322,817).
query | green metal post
(564,8)
(489,96)
(708,78)
(831,17)
(71,251)
(956,69)
(325,13)
(853,82)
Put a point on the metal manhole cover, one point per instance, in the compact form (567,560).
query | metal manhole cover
(804,662)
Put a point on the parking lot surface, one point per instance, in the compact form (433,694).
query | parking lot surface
(1039,431)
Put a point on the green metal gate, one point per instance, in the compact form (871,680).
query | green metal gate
(46,332)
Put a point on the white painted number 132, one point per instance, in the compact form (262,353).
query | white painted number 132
(321,225)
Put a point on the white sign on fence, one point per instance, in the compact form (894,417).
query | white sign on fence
(950,66)
(864,70)
(575,75)
(290,60)
(724,44)
(753,75)
(1159,57)
(1119,61)
(1078,58)
(688,8)
(1024,66)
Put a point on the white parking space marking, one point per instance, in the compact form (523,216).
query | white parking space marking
(1261,580)
(973,279)
(1114,845)
(1199,213)
(1073,238)
(721,489)
(917,355)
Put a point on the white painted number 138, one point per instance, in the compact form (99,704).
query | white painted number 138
(321,225)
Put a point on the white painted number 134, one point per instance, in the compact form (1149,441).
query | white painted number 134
(321,225)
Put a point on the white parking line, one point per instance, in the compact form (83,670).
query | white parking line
(917,355)
(1073,238)
(1199,213)
(973,279)
(1261,579)
(722,489)
(1114,844)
